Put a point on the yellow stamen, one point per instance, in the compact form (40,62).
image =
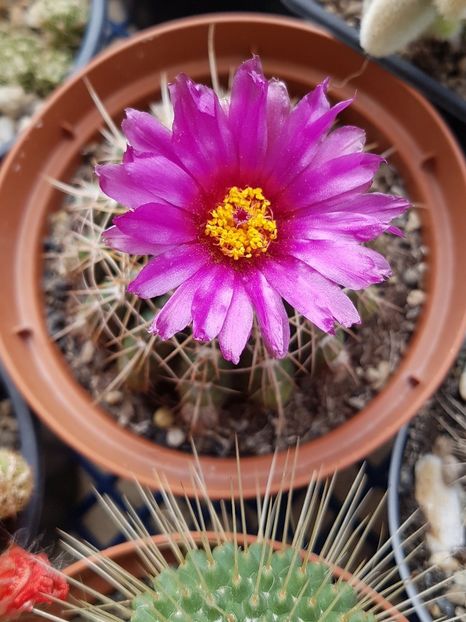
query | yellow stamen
(242,225)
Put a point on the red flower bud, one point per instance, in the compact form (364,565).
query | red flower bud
(27,580)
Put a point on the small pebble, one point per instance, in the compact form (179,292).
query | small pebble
(163,417)
(113,397)
(411,276)
(175,437)
(462,384)
(23,124)
(377,376)
(357,403)
(413,223)
(87,353)
(416,297)
(7,130)
(12,100)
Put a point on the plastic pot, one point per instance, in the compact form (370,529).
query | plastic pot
(129,75)
(93,40)
(28,521)
(126,555)
(394,524)
(438,93)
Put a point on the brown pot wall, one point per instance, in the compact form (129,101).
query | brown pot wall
(129,75)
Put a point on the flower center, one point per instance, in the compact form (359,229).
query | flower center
(242,225)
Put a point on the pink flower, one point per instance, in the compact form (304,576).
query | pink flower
(244,204)
(27,580)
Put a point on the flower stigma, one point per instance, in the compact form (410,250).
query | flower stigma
(242,226)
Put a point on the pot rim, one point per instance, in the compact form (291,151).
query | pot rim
(162,541)
(344,445)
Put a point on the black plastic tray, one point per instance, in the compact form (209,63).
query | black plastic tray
(440,95)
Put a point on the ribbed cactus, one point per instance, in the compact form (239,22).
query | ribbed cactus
(388,26)
(253,584)
(203,568)
(16,483)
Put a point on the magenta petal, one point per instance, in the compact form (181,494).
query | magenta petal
(342,141)
(116,183)
(211,302)
(374,205)
(348,264)
(270,312)
(342,176)
(147,180)
(201,134)
(146,134)
(115,238)
(238,323)
(158,224)
(278,111)
(248,114)
(299,149)
(176,313)
(168,270)
(311,294)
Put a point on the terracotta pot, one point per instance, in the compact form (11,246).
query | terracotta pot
(129,75)
(126,556)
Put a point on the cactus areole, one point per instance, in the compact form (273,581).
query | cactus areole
(247,201)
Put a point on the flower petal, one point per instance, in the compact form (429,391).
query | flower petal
(346,263)
(342,141)
(211,302)
(168,270)
(278,111)
(362,217)
(158,224)
(176,313)
(270,312)
(201,134)
(146,134)
(238,323)
(299,146)
(248,115)
(311,294)
(146,180)
(341,177)
(118,240)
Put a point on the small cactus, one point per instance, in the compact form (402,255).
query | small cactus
(62,21)
(256,583)
(221,575)
(16,483)
(388,26)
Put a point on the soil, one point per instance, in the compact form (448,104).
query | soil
(321,400)
(434,420)
(444,61)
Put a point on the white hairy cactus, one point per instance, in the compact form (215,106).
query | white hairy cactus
(451,9)
(387,26)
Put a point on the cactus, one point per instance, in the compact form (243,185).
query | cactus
(16,483)
(62,21)
(255,583)
(222,575)
(388,26)
(205,385)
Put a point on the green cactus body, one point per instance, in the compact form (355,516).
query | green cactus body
(16,483)
(229,584)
